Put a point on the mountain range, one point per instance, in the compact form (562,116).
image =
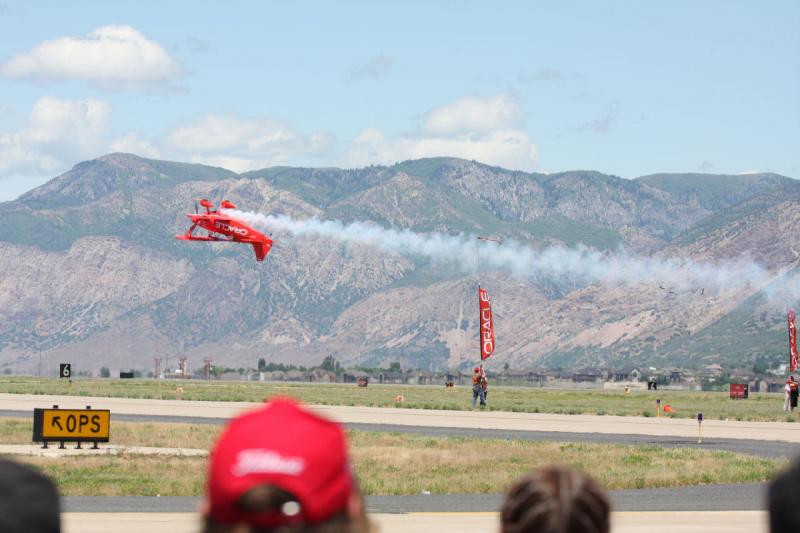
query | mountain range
(94,276)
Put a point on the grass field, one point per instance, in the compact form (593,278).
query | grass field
(392,463)
(713,405)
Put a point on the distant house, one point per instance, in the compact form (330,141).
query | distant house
(531,377)
(563,375)
(318,375)
(296,375)
(395,378)
(774,386)
(628,373)
(352,376)
(760,385)
(517,376)
(677,376)
(710,373)
(423,377)
(587,376)
(743,375)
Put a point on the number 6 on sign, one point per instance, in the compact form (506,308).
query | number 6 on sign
(65,370)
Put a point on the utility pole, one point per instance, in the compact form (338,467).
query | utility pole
(157,374)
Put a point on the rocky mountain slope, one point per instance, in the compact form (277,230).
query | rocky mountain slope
(93,274)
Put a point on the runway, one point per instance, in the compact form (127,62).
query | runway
(714,508)
(730,497)
(770,450)
(442,522)
(479,420)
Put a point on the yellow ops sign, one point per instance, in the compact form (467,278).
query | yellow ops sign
(73,425)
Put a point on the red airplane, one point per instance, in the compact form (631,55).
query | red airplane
(221,227)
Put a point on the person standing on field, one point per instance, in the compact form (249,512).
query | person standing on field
(477,390)
(794,389)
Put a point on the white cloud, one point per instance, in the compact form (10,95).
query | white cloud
(79,122)
(246,144)
(469,128)
(60,133)
(470,114)
(110,56)
(57,133)
(133,143)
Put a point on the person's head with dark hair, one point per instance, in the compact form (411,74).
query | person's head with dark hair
(554,500)
(282,468)
(784,501)
(29,502)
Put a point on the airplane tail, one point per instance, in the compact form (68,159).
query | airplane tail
(261,249)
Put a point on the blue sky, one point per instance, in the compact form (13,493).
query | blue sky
(626,88)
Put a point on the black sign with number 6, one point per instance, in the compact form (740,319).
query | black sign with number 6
(65,370)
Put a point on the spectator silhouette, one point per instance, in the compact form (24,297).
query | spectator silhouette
(784,501)
(555,499)
(282,468)
(29,502)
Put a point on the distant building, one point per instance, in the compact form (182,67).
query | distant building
(352,376)
(318,375)
(389,377)
(628,373)
(587,376)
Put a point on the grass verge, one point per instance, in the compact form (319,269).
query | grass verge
(393,463)
(713,405)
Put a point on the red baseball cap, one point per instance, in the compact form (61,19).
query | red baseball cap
(287,446)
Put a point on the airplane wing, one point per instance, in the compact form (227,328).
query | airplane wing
(261,248)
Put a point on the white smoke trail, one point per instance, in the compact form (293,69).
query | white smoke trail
(524,261)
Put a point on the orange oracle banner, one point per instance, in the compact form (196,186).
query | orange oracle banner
(792,342)
(487,325)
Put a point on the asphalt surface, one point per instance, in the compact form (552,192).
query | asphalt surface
(732,497)
(766,449)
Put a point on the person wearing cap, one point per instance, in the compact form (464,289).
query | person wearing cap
(477,390)
(29,501)
(282,468)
